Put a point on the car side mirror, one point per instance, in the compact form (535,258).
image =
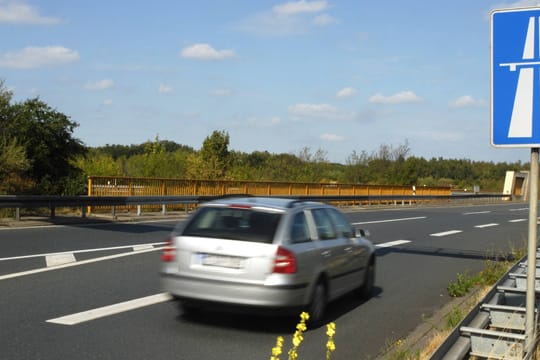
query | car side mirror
(361,233)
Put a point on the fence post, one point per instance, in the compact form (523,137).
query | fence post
(89,208)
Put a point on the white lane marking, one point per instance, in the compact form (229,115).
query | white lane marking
(486,225)
(390,220)
(78,263)
(446,233)
(477,212)
(109,310)
(392,243)
(519,209)
(59,259)
(517,220)
(83,251)
(142,247)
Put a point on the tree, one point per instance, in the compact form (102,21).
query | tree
(13,164)
(214,157)
(47,138)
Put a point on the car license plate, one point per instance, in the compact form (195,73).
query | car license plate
(233,262)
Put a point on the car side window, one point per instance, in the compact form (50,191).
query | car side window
(300,229)
(343,226)
(325,228)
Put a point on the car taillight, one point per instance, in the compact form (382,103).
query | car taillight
(168,253)
(285,262)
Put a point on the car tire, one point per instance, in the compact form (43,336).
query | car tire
(317,307)
(366,290)
(189,309)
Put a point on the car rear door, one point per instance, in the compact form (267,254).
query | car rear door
(332,251)
(355,256)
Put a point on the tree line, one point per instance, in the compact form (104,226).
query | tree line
(40,155)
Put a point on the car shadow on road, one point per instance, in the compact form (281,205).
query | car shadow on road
(272,322)
(444,252)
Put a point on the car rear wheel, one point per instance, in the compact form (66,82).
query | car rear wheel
(317,308)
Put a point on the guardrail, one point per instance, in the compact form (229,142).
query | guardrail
(18,202)
(495,327)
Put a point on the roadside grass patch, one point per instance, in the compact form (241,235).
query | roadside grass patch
(479,285)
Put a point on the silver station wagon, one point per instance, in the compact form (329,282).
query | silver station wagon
(266,252)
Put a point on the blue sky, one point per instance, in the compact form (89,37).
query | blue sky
(340,76)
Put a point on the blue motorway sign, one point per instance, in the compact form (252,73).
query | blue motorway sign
(515,77)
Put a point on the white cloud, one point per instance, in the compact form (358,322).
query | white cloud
(403,97)
(346,93)
(17,12)
(99,85)
(205,52)
(317,111)
(296,17)
(521,3)
(331,137)
(165,89)
(264,123)
(299,7)
(311,109)
(107,102)
(35,57)
(466,101)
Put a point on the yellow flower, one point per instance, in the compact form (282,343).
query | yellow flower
(276,350)
(331,329)
(330,345)
(297,339)
(304,316)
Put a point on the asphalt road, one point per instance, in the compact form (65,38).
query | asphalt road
(103,266)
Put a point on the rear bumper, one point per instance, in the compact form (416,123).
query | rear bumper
(234,293)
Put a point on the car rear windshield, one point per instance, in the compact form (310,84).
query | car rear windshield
(243,224)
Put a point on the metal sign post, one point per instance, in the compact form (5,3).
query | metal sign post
(515,114)
(531,254)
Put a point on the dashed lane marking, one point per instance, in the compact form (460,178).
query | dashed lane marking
(59,259)
(446,233)
(486,225)
(392,243)
(109,310)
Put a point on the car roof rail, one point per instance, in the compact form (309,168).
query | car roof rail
(295,202)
